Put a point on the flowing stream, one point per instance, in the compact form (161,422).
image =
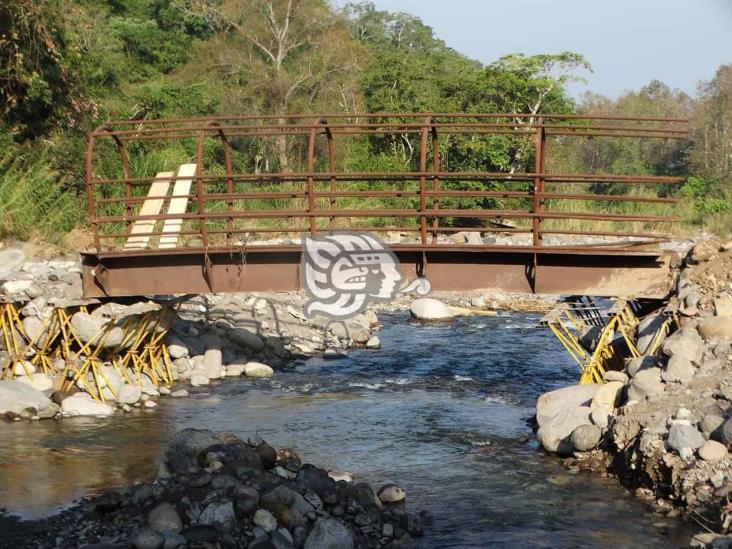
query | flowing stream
(443,410)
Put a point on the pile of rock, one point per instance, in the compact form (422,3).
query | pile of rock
(212,337)
(215,490)
(665,422)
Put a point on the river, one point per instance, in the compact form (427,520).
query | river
(443,410)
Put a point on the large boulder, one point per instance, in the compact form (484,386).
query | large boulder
(552,403)
(646,383)
(427,308)
(685,343)
(678,369)
(81,404)
(245,338)
(555,433)
(164,517)
(608,396)
(128,394)
(716,328)
(22,399)
(684,436)
(585,437)
(40,382)
(257,369)
(329,533)
(91,329)
(185,446)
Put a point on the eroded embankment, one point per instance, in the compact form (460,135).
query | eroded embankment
(663,425)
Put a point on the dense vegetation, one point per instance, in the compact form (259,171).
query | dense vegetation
(67,65)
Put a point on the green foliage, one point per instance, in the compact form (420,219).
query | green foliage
(36,202)
(707,198)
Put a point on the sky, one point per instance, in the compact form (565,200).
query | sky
(627,42)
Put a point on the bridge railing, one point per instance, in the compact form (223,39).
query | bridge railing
(422,180)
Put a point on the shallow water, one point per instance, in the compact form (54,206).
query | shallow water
(442,409)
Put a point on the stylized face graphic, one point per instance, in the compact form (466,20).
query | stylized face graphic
(341,271)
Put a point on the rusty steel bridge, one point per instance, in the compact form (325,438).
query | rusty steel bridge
(214,218)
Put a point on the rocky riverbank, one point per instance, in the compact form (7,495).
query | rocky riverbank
(663,425)
(216,490)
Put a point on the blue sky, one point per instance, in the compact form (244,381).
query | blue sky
(628,42)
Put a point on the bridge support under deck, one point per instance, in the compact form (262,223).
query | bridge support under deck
(549,271)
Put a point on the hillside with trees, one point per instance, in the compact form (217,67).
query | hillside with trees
(68,65)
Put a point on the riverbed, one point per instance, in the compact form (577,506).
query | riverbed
(442,409)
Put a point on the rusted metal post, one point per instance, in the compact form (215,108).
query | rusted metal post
(310,190)
(199,189)
(90,203)
(539,164)
(423,180)
(229,182)
(332,168)
(435,182)
(128,178)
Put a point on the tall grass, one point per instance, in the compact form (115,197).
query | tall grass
(36,202)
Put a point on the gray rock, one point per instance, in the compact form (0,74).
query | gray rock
(185,446)
(213,358)
(21,399)
(173,540)
(176,348)
(647,329)
(179,393)
(282,539)
(197,379)
(555,433)
(725,433)
(257,369)
(220,513)
(373,343)
(391,493)
(147,538)
(10,260)
(245,338)
(164,517)
(684,436)
(704,251)
(329,533)
(614,375)
(552,403)
(716,328)
(710,423)
(128,394)
(646,383)
(81,404)
(265,520)
(637,364)
(685,343)
(287,496)
(585,437)
(713,451)
(89,329)
(427,308)
(678,369)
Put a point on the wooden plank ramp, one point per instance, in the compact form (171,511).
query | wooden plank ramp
(139,237)
(178,205)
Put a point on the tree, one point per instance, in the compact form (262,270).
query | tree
(286,55)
